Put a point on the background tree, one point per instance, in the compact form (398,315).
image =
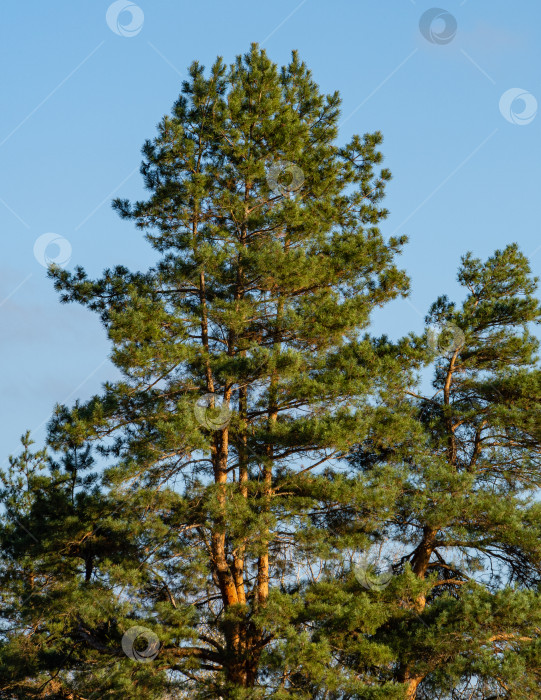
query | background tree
(467,514)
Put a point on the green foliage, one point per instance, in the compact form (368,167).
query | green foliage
(467,515)
(260,441)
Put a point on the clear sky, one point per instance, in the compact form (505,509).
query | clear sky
(82,88)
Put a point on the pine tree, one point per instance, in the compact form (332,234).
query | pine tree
(260,444)
(467,516)
(49,542)
(247,377)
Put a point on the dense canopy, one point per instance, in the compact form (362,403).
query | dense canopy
(272,502)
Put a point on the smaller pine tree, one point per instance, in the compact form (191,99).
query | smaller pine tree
(58,530)
(467,513)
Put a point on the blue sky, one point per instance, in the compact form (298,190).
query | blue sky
(79,99)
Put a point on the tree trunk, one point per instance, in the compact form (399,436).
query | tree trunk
(419,565)
(411,687)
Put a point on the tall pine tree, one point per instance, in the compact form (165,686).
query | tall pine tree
(246,379)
